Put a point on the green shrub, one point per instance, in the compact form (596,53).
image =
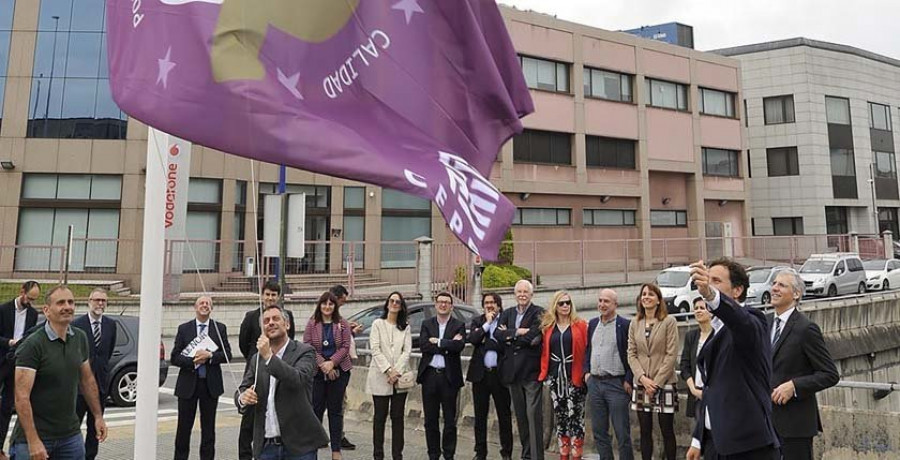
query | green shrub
(507,254)
(497,276)
(522,272)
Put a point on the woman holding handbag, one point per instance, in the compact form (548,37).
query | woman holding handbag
(329,335)
(389,376)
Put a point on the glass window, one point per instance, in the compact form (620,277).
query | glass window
(71,187)
(666,218)
(879,116)
(94,250)
(714,102)
(533,146)
(402,229)
(395,199)
(604,84)
(201,231)
(666,94)
(39,186)
(546,75)
(6,13)
(778,109)
(782,162)
(542,216)
(607,152)
(354,198)
(240,193)
(207,191)
(719,162)
(837,110)
(609,217)
(885,165)
(785,226)
(842,163)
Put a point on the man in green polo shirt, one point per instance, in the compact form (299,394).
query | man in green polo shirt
(51,365)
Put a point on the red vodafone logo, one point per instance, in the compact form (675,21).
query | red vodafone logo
(174,150)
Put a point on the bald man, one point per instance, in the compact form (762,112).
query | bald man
(199,378)
(608,377)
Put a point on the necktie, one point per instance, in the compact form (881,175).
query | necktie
(777,330)
(201,371)
(97,335)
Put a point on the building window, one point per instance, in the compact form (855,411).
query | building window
(604,84)
(746,117)
(606,152)
(609,217)
(778,109)
(785,226)
(666,94)
(239,233)
(546,75)
(782,162)
(404,218)
(837,110)
(200,251)
(70,95)
(6,14)
(545,147)
(879,117)
(885,165)
(542,216)
(50,203)
(719,103)
(887,220)
(843,173)
(719,162)
(354,233)
(836,220)
(666,218)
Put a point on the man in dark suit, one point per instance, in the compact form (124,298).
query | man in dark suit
(801,367)
(199,378)
(285,426)
(736,366)
(101,333)
(520,333)
(608,377)
(16,317)
(485,377)
(440,374)
(249,333)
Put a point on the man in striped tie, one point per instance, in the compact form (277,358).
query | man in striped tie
(101,333)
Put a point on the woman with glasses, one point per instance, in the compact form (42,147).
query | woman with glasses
(391,343)
(652,349)
(562,358)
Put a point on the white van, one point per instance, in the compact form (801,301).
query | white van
(675,284)
(833,274)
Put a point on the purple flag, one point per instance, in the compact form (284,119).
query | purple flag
(413,95)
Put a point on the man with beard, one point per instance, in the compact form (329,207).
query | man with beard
(16,317)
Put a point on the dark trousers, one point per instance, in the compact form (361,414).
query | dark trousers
(666,426)
(329,394)
(763,453)
(482,392)
(187,410)
(7,398)
(528,402)
(245,436)
(90,439)
(396,405)
(796,448)
(439,396)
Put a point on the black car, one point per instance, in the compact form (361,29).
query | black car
(417,314)
(123,364)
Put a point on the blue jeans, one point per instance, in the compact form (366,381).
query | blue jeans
(608,401)
(71,448)
(275,452)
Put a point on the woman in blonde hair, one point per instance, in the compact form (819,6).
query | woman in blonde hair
(562,358)
(652,348)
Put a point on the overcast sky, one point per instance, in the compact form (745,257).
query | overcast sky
(867,24)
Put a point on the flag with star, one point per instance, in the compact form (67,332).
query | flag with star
(412,95)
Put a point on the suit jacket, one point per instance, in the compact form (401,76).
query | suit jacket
(301,431)
(688,366)
(622,325)
(100,355)
(736,365)
(800,355)
(579,339)
(312,336)
(391,348)
(187,375)
(654,357)
(8,327)
(522,356)
(482,344)
(446,346)
(251,330)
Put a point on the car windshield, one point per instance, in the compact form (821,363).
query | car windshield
(367,317)
(759,276)
(817,266)
(874,264)
(672,278)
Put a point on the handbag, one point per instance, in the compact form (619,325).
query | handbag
(406,381)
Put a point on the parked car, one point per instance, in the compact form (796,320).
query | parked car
(882,274)
(123,364)
(675,284)
(417,314)
(761,279)
(833,274)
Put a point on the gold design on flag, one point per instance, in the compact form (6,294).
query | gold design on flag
(242,26)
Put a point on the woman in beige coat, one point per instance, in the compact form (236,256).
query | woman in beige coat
(391,342)
(652,348)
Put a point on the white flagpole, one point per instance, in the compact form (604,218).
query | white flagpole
(151,298)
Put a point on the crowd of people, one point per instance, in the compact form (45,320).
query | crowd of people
(737,360)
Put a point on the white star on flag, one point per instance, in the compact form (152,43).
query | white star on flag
(409,7)
(290,83)
(165,66)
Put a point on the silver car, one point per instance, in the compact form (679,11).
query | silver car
(761,279)
(833,274)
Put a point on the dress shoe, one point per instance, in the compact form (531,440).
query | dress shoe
(346,444)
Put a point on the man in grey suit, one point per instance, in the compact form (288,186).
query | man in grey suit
(284,425)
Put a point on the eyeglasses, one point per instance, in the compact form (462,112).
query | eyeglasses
(394,301)
(563,303)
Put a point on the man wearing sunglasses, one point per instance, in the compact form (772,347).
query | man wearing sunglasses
(16,317)
(101,333)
